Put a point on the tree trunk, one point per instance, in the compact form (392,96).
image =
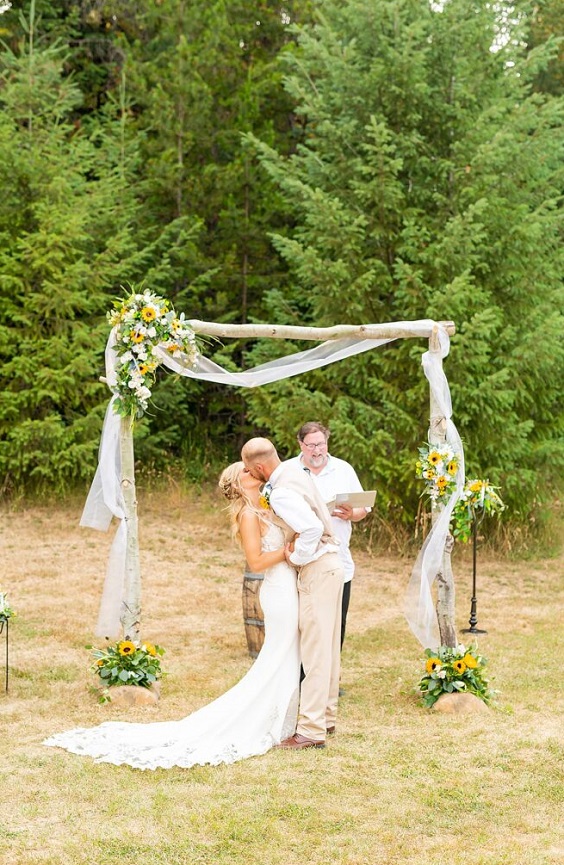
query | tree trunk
(445,577)
(131,610)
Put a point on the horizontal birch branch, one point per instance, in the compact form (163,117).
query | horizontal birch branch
(362,331)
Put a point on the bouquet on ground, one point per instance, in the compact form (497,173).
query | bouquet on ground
(438,466)
(6,611)
(128,663)
(477,496)
(448,670)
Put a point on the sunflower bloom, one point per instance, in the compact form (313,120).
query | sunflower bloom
(148,313)
(470,662)
(135,336)
(126,647)
(434,458)
(459,667)
(452,467)
(432,665)
(150,649)
(475,487)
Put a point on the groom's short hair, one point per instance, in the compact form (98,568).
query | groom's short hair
(258,450)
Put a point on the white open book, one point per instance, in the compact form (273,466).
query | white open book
(365,499)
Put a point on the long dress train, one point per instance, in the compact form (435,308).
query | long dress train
(257,713)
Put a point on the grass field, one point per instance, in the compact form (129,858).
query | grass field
(398,784)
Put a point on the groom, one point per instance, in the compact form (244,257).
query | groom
(294,498)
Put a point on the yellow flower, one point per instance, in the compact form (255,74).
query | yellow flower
(146,367)
(135,336)
(470,662)
(434,458)
(452,467)
(441,482)
(459,667)
(150,649)
(429,475)
(263,502)
(432,665)
(100,663)
(475,487)
(126,648)
(148,313)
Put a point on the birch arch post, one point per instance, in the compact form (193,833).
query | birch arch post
(338,342)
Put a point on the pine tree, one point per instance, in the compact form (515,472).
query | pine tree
(427,185)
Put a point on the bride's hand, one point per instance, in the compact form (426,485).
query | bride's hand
(288,550)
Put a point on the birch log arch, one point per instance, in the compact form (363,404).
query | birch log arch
(147,333)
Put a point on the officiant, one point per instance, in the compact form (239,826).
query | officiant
(333,476)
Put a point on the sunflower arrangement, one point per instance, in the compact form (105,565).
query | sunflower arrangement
(145,324)
(477,496)
(454,669)
(438,466)
(264,497)
(6,611)
(128,663)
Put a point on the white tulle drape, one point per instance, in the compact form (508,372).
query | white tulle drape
(105,500)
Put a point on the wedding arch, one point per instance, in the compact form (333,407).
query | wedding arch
(147,333)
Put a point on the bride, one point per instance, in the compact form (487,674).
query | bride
(259,711)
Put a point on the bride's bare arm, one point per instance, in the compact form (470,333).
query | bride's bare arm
(257,559)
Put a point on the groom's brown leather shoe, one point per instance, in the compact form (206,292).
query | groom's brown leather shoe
(330,731)
(297,742)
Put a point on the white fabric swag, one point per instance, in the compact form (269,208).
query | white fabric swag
(105,497)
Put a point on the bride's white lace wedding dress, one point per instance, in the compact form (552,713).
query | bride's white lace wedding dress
(257,713)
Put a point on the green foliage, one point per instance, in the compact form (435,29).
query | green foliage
(408,171)
(478,500)
(427,185)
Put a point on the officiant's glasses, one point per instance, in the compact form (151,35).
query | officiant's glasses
(315,446)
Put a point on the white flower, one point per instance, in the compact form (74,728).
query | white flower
(126,357)
(2,602)
(151,332)
(441,674)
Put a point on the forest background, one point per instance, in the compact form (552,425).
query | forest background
(310,162)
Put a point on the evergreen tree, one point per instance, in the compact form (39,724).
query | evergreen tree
(428,185)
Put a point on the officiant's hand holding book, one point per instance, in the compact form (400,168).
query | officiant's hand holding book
(364,499)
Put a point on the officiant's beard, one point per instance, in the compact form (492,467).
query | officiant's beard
(316,461)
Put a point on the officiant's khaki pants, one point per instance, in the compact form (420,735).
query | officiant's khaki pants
(320,588)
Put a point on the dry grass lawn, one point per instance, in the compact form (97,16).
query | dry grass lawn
(399,783)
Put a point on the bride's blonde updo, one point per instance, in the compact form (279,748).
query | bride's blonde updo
(230,485)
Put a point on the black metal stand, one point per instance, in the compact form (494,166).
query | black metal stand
(473,621)
(4,622)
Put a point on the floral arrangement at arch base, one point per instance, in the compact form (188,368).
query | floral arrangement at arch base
(127,663)
(449,670)
(146,323)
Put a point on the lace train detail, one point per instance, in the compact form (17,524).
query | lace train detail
(246,721)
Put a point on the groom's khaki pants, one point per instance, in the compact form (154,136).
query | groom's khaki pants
(320,587)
